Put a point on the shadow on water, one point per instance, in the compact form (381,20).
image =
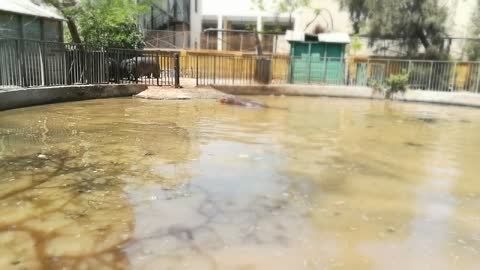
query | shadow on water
(50,202)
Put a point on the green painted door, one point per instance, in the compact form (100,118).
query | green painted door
(317,63)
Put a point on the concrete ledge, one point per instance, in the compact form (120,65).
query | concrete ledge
(169,93)
(17,98)
(431,97)
(465,99)
(302,90)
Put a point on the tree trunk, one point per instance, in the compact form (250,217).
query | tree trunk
(72,27)
(258,44)
(423,39)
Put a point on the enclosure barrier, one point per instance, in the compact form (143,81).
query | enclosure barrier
(29,63)
(236,70)
(422,74)
(246,69)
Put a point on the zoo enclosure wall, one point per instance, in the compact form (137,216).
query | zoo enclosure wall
(31,63)
(27,63)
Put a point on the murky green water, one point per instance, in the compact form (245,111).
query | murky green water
(327,184)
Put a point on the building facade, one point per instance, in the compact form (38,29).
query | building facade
(26,19)
(173,24)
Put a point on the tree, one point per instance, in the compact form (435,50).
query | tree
(279,6)
(283,6)
(413,23)
(110,23)
(103,23)
(473,45)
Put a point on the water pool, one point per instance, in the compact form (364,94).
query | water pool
(326,184)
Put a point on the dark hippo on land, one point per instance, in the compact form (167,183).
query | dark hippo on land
(113,70)
(242,102)
(140,67)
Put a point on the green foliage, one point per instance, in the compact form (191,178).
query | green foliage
(473,46)
(290,6)
(394,84)
(283,6)
(110,23)
(413,23)
(356,44)
(359,10)
(398,82)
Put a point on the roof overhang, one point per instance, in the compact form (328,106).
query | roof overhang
(29,8)
(330,37)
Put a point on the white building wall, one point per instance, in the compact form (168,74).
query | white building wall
(458,22)
(341,19)
(196,14)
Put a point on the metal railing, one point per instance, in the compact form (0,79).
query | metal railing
(25,63)
(422,75)
(238,70)
(164,39)
(29,63)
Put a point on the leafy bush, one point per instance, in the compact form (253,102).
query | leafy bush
(110,23)
(397,83)
(394,84)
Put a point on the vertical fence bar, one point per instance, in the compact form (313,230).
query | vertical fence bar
(196,69)
(309,80)
(478,77)
(325,67)
(454,77)
(158,69)
(177,70)
(430,76)
(214,68)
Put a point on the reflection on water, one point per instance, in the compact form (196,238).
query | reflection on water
(328,184)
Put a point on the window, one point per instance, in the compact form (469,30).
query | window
(32,29)
(52,30)
(9,26)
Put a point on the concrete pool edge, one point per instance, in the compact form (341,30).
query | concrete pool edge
(26,97)
(464,99)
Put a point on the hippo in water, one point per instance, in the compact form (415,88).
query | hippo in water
(230,100)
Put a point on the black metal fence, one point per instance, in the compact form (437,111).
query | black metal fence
(29,63)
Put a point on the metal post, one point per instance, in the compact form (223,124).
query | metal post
(208,41)
(290,69)
(196,58)
(177,70)
(385,77)
(368,72)
(241,42)
(309,69)
(233,70)
(454,76)
(136,68)
(214,68)
(478,77)
(430,77)
(325,61)
(159,70)
(20,46)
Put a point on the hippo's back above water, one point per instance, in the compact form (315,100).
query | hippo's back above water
(241,102)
